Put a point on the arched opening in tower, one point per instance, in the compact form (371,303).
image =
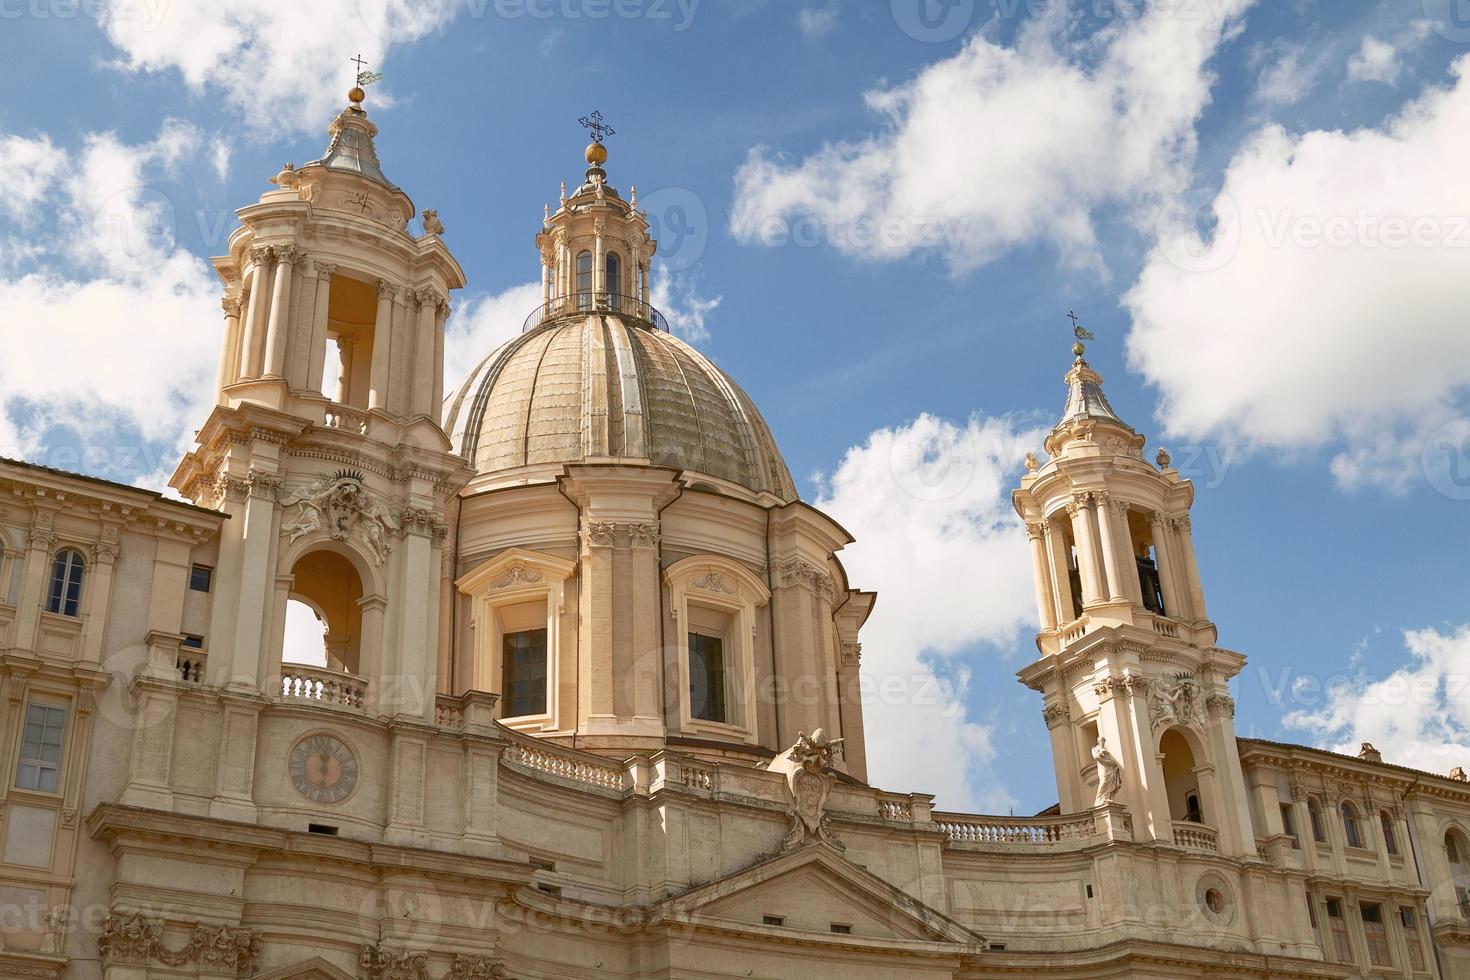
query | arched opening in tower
(324,613)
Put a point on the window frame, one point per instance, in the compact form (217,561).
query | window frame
(195,568)
(584,293)
(1375,934)
(1352,825)
(40,765)
(612,274)
(507,670)
(726,587)
(74,576)
(718,693)
(1337,927)
(1390,835)
(515,577)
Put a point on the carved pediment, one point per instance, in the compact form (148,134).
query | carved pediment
(811,889)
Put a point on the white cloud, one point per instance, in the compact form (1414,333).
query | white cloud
(817,22)
(929,505)
(482,323)
(1328,305)
(677,297)
(1417,716)
(1287,74)
(1019,144)
(281,63)
(112,329)
(1376,61)
(28,167)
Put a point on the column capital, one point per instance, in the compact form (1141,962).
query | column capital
(262,254)
(286,254)
(231,305)
(387,289)
(41,536)
(1035,530)
(106,552)
(324,270)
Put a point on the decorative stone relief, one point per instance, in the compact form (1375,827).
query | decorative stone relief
(55,923)
(852,654)
(134,940)
(1173,703)
(1220,706)
(805,767)
(263,486)
(643,535)
(1109,772)
(379,962)
(799,571)
(518,574)
(343,508)
(599,534)
(711,581)
(1055,714)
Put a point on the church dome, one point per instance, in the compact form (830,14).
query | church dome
(600,385)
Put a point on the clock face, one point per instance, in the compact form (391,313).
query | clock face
(322,769)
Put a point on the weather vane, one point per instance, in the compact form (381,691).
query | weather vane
(596,126)
(1078,331)
(365,77)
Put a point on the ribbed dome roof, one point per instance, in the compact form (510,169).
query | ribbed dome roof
(598,386)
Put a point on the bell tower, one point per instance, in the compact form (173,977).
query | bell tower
(1127,662)
(325,445)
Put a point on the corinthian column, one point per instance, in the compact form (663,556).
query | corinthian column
(1045,607)
(421,400)
(255,313)
(1107,517)
(382,345)
(1168,573)
(229,352)
(280,318)
(316,362)
(1084,538)
(1184,539)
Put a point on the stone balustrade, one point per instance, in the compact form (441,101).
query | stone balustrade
(578,767)
(1196,836)
(300,682)
(191,664)
(346,418)
(975,829)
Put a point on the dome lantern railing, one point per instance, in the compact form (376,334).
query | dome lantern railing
(596,301)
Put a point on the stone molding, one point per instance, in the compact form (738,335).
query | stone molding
(610,534)
(382,962)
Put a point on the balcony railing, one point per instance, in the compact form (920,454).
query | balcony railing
(346,418)
(1196,836)
(1041,831)
(584,302)
(318,685)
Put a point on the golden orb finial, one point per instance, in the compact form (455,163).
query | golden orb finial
(355,95)
(595,154)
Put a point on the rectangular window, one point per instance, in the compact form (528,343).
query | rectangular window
(523,673)
(1377,934)
(193,641)
(706,677)
(1342,949)
(40,748)
(201,577)
(1410,922)
(1288,824)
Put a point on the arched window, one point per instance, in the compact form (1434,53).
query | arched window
(614,280)
(584,280)
(1351,833)
(1319,829)
(68,569)
(1455,852)
(1390,841)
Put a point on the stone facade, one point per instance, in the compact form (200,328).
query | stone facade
(678,788)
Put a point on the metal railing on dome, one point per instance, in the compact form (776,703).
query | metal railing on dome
(596,302)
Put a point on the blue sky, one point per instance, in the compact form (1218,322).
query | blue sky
(1167,171)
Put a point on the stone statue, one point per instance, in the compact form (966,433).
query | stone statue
(1032,463)
(805,767)
(1109,773)
(1458,775)
(342,506)
(432,224)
